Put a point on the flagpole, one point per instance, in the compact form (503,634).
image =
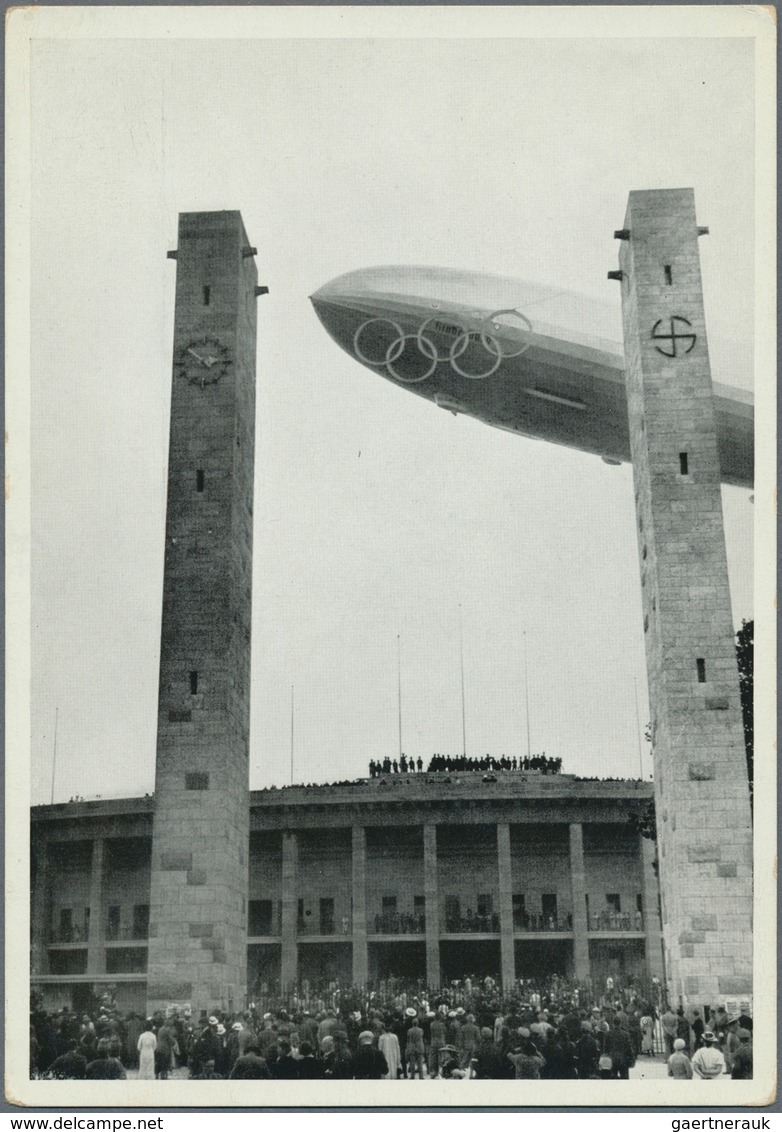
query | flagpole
(461,664)
(399,688)
(54,754)
(291,734)
(526,693)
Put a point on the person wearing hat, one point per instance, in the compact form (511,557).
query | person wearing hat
(368,1064)
(250,1065)
(679,1064)
(437,1039)
(708,1062)
(469,1040)
(449,1063)
(741,1064)
(414,1047)
(586,1053)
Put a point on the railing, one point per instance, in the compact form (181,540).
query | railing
(526,923)
(489,922)
(114,932)
(399,923)
(69,935)
(616,922)
(335,927)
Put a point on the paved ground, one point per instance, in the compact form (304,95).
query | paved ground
(645,1068)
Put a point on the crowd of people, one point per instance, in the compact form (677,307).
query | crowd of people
(548,1029)
(450,763)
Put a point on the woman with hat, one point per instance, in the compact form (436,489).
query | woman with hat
(679,1064)
(708,1062)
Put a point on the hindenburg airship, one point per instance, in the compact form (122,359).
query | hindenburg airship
(520,356)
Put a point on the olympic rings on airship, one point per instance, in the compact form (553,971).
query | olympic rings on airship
(381,341)
(522,324)
(384,351)
(467,337)
(397,349)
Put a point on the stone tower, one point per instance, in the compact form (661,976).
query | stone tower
(198,900)
(704,827)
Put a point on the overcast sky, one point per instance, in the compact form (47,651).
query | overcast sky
(376,514)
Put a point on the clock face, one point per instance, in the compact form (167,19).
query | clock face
(203,361)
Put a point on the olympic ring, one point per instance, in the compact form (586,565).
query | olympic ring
(526,329)
(434,318)
(458,353)
(361,357)
(475,329)
(400,343)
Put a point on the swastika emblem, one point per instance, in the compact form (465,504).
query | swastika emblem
(678,341)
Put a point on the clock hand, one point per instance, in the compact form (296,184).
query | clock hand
(209,361)
(190,350)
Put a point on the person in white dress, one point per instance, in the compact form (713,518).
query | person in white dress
(388,1044)
(146,1054)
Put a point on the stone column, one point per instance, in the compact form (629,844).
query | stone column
(360,956)
(289,957)
(96,945)
(578,887)
(431,907)
(507,956)
(697,735)
(40,913)
(652,925)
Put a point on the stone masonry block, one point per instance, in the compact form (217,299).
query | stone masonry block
(219,956)
(735,984)
(691,937)
(170,992)
(201,930)
(701,853)
(196,877)
(704,923)
(726,868)
(717,703)
(687,951)
(171,860)
(702,772)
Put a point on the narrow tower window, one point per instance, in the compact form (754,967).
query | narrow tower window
(200,480)
(668,276)
(701,666)
(193,683)
(683,463)
(207,295)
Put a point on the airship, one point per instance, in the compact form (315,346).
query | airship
(531,359)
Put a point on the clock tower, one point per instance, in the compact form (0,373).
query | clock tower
(198,900)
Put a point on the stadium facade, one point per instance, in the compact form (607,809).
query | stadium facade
(426,877)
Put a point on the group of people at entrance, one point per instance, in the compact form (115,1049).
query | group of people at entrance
(465,1032)
(695,1051)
